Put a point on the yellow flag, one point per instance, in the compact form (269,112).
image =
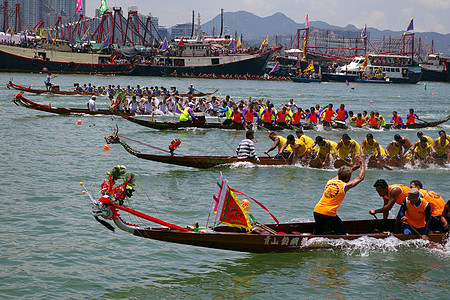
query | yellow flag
(309,68)
(265,42)
(238,43)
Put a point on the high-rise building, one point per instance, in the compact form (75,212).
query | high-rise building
(31,11)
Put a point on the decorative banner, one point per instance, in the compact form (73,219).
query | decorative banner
(181,43)
(276,67)
(265,42)
(232,45)
(306,21)
(238,44)
(410,26)
(364,32)
(79,6)
(103,7)
(233,213)
(164,46)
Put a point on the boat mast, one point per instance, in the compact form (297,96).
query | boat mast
(193,25)
(221,23)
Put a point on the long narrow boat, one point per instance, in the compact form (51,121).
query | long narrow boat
(10,84)
(255,238)
(208,162)
(419,125)
(22,101)
(305,79)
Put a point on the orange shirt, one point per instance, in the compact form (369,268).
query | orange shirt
(249,115)
(237,117)
(400,197)
(331,199)
(437,204)
(328,115)
(281,117)
(359,121)
(296,118)
(340,114)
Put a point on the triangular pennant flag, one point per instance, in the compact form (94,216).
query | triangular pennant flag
(103,7)
(306,21)
(232,45)
(79,6)
(164,46)
(233,213)
(276,67)
(238,43)
(364,32)
(181,43)
(265,42)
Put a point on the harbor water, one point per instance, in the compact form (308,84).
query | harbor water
(52,247)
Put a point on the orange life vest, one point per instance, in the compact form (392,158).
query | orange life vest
(332,197)
(281,117)
(328,115)
(237,117)
(267,116)
(411,118)
(437,204)
(296,118)
(400,197)
(249,115)
(313,118)
(416,215)
(373,121)
(340,114)
(397,120)
(359,121)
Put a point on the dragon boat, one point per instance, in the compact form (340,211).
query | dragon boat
(234,227)
(418,125)
(201,123)
(22,101)
(55,90)
(208,162)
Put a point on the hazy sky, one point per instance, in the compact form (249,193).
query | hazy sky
(429,15)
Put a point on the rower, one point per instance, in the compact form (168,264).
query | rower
(279,141)
(327,149)
(282,117)
(391,194)
(397,120)
(374,121)
(341,114)
(411,117)
(359,120)
(238,117)
(188,112)
(226,112)
(268,115)
(415,213)
(421,150)
(429,139)
(298,149)
(382,120)
(313,116)
(347,146)
(370,147)
(333,195)
(249,114)
(328,115)
(441,147)
(436,202)
(306,140)
(246,148)
(297,117)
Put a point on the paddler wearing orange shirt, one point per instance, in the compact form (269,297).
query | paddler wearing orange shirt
(333,195)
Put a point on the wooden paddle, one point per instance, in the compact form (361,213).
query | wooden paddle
(423,237)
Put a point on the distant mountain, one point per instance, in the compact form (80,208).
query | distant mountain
(254,29)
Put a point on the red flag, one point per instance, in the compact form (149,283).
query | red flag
(181,43)
(233,213)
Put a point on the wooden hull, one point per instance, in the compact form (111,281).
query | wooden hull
(208,162)
(38,91)
(295,237)
(420,125)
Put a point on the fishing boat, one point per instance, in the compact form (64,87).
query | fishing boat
(397,68)
(435,67)
(55,90)
(22,101)
(234,227)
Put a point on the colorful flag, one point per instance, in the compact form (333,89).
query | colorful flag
(164,46)
(276,67)
(232,44)
(410,26)
(232,213)
(217,194)
(306,21)
(79,6)
(364,32)
(103,7)
(298,65)
(238,43)
(181,43)
(265,42)
(365,62)
(106,43)
(72,40)
(309,68)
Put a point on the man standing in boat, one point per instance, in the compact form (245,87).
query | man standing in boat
(48,84)
(91,103)
(333,195)
(246,148)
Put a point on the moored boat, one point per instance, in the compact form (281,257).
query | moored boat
(397,68)
(305,79)
(234,227)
